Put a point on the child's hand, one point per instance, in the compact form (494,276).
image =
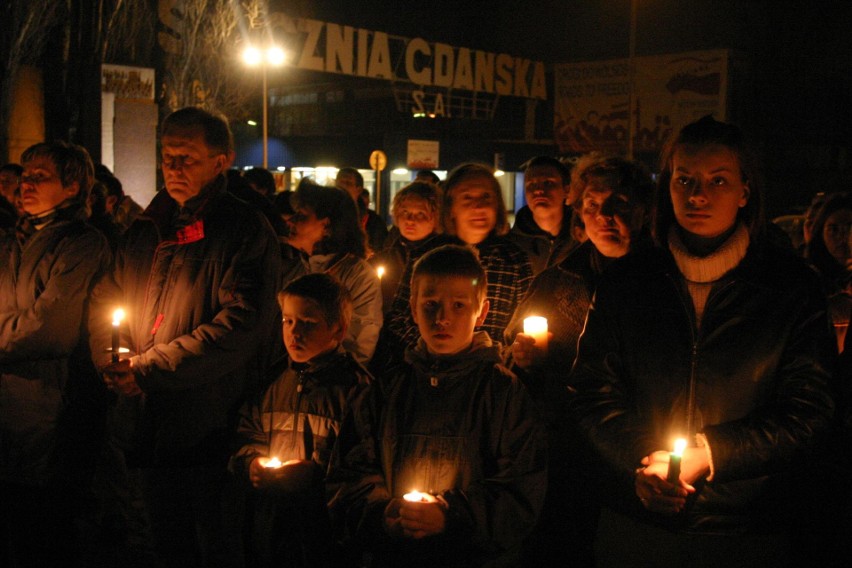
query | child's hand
(257,472)
(422,519)
(524,351)
(293,476)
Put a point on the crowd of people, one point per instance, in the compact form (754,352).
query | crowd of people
(287,381)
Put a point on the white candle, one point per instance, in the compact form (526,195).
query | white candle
(536,327)
(117,317)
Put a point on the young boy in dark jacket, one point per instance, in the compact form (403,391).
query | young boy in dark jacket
(458,428)
(292,433)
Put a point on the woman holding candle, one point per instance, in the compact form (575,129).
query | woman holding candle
(613,201)
(51,398)
(716,336)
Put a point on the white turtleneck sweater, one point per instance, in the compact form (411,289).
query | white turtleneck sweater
(702,272)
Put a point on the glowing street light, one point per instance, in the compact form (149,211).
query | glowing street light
(272,56)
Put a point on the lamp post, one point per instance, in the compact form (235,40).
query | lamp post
(270,56)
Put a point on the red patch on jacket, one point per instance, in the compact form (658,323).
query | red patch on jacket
(191,233)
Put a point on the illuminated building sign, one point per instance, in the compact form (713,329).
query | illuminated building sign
(334,48)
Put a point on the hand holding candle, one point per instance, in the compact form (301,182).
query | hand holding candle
(536,327)
(674,461)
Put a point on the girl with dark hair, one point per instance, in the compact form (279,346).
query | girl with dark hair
(326,230)
(828,252)
(719,338)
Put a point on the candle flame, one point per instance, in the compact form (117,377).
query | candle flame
(415,496)
(380,271)
(679,446)
(273,462)
(117,316)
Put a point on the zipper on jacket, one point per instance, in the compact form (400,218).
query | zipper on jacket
(299,389)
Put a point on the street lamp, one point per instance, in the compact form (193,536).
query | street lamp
(271,56)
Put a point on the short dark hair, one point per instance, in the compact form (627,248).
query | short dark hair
(345,232)
(817,252)
(359,179)
(326,291)
(418,190)
(429,175)
(212,126)
(451,261)
(550,162)
(73,164)
(464,172)
(16,169)
(112,184)
(262,178)
(703,133)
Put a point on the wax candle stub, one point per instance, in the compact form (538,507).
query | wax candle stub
(536,327)
(674,461)
(117,317)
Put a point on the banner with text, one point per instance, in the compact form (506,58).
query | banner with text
(592,100)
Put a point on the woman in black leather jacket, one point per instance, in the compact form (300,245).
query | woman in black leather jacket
(716,337)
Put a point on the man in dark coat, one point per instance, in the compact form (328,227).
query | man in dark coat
(196,275)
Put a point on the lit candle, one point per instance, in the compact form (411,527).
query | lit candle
(272,463)
(117,316)
(674,461)
(380,271)
(536,327)
(418,497)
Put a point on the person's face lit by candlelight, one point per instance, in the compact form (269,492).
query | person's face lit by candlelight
(446,310)
(474,209)
(305,329)
(707,190)
(415,219)
(609,218)
(306,230)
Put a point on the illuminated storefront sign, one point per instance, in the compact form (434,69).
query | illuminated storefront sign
(333,48)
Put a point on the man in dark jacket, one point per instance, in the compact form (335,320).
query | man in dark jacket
(196,275)
(49,400)
(543,226)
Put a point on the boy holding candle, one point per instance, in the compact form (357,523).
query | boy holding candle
(457,426)
(292,431)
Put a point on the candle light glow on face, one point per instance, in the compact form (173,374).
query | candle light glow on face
(536,327)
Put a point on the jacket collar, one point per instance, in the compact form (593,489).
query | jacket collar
(163,209)
(526,225)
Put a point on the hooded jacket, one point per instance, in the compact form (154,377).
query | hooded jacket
(463,428)
(44,384)
(754,378)
(200,302)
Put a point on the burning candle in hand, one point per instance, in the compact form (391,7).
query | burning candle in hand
(273,463)
(117,317)
(536,327)
(674,461)
(418,497)
(380,271)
